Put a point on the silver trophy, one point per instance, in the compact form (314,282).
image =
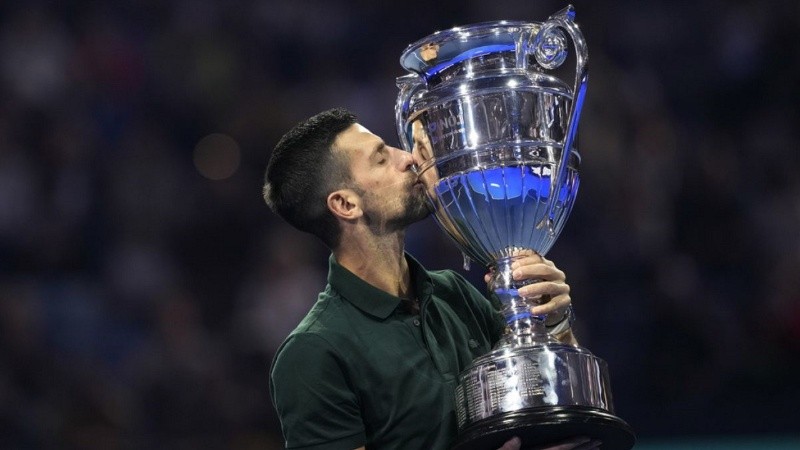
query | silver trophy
(495,127)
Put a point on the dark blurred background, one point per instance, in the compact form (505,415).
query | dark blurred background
(144,285)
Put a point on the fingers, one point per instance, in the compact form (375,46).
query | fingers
(548,285)
(544,289)
(550,288)
(512,444)
(531,257)
(530,270)
(532,266)
(578,443)
(571,444)
(488,277)
(554,308)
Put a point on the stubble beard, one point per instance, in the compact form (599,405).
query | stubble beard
(415,207)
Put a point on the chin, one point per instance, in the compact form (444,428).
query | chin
(421,213)
(413,214)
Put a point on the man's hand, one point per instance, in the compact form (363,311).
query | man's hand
(550,291)
(579,443)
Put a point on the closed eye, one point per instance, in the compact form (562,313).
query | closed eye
(380,154)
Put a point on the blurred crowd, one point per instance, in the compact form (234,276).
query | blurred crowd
(144,285)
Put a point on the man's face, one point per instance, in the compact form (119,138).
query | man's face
(392,197)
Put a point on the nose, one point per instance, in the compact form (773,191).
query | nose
(405,161)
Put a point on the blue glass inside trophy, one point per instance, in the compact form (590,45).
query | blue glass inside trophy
(495,130)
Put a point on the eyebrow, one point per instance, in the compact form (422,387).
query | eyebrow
(377,149)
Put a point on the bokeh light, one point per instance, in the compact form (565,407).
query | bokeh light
(217,156)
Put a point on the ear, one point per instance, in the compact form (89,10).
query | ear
(345,204)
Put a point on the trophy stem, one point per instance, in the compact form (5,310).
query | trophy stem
(523,327)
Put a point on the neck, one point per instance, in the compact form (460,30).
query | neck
(380,261)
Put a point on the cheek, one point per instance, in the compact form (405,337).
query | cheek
(382,184)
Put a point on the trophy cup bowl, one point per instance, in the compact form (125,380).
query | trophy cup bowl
(495,132)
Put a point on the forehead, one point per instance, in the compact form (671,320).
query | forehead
(356,140)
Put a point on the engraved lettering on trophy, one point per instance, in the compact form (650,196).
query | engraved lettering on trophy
(445,128)
(461,414)
(497,390)
(532,379)
(512,399)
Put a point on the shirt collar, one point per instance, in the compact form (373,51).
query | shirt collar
(370,299)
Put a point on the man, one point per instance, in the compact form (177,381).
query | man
(374,363)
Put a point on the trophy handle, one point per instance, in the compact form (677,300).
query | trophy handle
(408,85)
(549,48)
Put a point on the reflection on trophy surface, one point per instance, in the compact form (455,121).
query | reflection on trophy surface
(495,132)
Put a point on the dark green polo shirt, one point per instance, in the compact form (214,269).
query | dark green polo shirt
(358,370)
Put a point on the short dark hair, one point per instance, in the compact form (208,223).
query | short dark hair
(303,169)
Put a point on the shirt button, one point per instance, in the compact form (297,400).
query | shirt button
(416,322)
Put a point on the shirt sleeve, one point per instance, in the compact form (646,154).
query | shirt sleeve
(314,400)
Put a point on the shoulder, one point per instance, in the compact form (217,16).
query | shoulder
(309,360)
(300,350)
(318,332)
(321,323)
(322,318)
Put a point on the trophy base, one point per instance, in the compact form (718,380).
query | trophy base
(551,425)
